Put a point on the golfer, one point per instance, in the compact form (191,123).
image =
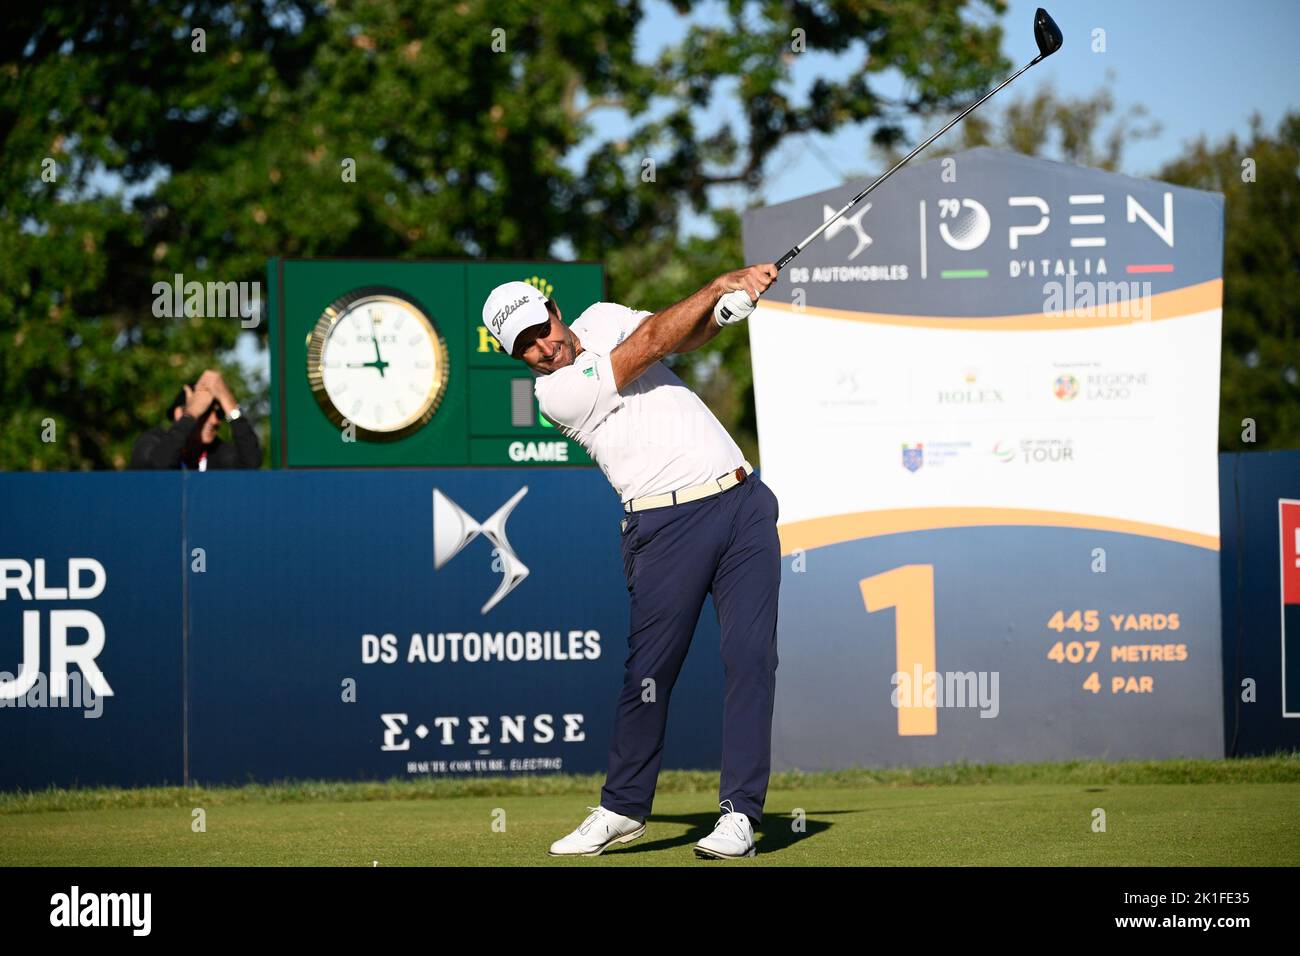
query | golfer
(696,521)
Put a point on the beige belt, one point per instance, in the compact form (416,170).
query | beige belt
(717,485)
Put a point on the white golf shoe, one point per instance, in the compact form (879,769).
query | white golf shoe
(732,837)
(601,830)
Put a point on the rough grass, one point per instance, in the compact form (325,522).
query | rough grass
(1279,768)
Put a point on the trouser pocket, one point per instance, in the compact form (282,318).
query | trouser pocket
(776,503)
(628,539)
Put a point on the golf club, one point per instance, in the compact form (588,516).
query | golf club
(1048,37)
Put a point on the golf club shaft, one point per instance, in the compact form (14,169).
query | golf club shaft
(781,263)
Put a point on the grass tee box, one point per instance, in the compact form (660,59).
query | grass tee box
(385,363)
(1082,813)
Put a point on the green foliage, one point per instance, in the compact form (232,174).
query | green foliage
(207,163)
(1261,268)
(1082,130)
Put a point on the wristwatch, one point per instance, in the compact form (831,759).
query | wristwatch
(234,414)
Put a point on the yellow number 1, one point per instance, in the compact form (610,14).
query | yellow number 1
(909,589)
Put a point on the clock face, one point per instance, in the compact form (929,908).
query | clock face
(377,361)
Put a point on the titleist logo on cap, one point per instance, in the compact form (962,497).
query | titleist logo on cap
(499,319)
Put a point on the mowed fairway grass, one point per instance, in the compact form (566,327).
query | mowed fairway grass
(1164,813)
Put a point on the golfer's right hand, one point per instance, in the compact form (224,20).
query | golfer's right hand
(753,280)
(741,291)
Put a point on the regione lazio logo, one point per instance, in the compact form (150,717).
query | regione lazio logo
(1065,387)
(453,528)
(912,457)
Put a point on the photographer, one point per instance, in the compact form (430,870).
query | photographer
(191,441)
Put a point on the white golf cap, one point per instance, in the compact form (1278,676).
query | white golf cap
(512,307)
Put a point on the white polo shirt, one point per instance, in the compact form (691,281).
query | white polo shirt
(653,436)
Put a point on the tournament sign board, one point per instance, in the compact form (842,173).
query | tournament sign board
(988,404)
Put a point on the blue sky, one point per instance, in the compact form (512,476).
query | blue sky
(1197,66)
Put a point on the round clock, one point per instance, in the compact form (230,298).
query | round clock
(376,360)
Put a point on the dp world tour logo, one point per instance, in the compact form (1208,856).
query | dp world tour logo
(453,528)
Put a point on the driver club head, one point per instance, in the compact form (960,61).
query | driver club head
(1046,33)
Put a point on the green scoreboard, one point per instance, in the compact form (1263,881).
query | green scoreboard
(380,363)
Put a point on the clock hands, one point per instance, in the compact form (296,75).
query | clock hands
(379,362)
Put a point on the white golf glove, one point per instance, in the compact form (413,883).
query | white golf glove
(733,307)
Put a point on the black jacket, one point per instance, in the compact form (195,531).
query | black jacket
(161,448)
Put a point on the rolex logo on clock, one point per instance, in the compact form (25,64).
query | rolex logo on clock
(377,360)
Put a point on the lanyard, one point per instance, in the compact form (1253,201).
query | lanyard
(203,462)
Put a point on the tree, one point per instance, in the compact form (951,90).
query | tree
(494,130)
(1260,181)
(1083,130)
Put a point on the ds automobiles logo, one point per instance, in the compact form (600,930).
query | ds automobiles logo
(453,528)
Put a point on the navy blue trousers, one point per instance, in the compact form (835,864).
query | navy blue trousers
(672,557)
